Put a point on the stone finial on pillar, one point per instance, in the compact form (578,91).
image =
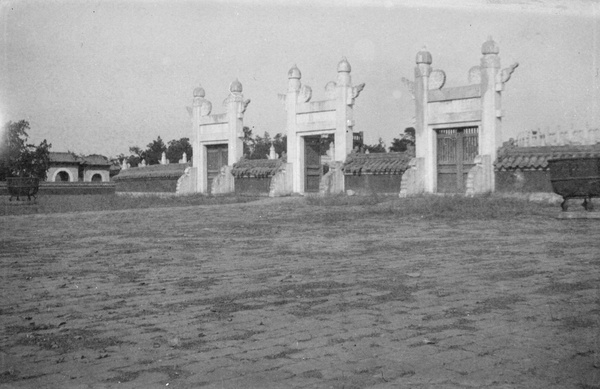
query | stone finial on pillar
(294,76)
(344,70)
(200,104)
(235,93)
(236,87)
(424,57)
(490,47)
(163,159)
(199,94)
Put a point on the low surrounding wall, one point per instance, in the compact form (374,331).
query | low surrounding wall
(150,184)
(69,188)
(252,186)
(528,181)
(379,173)
(366,184)
(254,177)
(151,179)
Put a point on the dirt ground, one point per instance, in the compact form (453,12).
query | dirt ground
(281,294)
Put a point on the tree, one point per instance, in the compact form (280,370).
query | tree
(407,139)
(378,148)
(262,147)
(115,164)
(259,147)
(248,141)
(176,149)
(19,158)
(136,157)
(280,144)
(153,153)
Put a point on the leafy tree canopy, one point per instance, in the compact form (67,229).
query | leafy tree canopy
(378,148)
(176,149)
(19,158)
(259,147)
(407,139)
(255,147)
(153,152)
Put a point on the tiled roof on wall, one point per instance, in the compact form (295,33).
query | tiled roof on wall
(61,157)
(66,157)
(260,168)
(377,163)
(511,157)
(173,170)
(96,160)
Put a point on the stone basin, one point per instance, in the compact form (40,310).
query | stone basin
(22,186)
(574,178)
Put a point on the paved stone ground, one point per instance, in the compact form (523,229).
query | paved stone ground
(279,294)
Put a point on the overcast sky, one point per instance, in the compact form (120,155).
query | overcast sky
(101,76)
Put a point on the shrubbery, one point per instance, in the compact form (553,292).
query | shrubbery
(19,158)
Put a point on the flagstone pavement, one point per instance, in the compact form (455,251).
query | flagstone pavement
(285,295)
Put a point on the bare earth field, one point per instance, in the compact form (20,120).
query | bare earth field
(282,294)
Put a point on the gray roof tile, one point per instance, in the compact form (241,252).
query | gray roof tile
(512,157)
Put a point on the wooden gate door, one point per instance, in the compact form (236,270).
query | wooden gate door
(456,152)
(314,148)
(216,158)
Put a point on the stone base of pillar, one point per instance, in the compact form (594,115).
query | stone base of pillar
(480,177)
(281,182)
(224,182)
(186,184)
(412,180)
(333,181)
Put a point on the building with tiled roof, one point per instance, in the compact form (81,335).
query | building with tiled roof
(69,167)
(62,157)
(96,160)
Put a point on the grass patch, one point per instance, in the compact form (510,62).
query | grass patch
(342,200)
(112,202)
(438,207)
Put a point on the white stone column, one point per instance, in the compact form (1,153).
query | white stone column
(198,157)
(490,132)
(235,106)
(202,172)
(425,146)
(343,119)
(293,140)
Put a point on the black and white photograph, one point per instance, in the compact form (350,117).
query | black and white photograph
(269,194)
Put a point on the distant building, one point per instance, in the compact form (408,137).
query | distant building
(69,167)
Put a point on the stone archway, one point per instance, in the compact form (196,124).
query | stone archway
(445,117)
(97,177)
(306,118)
(62,176)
